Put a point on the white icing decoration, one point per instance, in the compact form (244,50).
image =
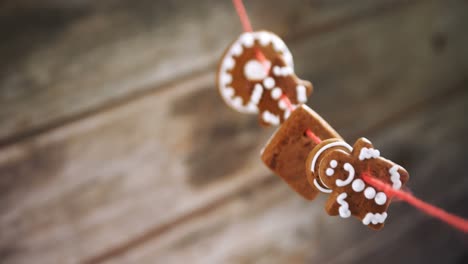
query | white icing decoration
(331,171)
(320,188)
(269,83)
(252,107)
(228,63)
(369,193)
(229,92)
(226,78)
(237,101)
(276,93)
(282,71)
(380,198)
(395,177)
(285,71)
(358,185)
(247,39)
(344,207)
(279,45)
(287,113)
(236,49)
(376,218)
(282,105)
(368,153)
(301,93)
(288,58)
(256,94)
(254,70)
(322,149)
(264,38)
(276,70)
(270,118)
(350,169)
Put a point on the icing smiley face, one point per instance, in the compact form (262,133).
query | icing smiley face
(250,85)
(336,168)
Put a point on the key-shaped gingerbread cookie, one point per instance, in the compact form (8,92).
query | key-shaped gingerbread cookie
(252,84)
(336,168)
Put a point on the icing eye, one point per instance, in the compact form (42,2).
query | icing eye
(255,70)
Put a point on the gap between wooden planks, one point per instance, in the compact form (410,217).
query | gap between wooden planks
(25,115)
(83,195)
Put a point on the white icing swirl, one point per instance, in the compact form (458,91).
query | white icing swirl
(395,177)
(376,218)
(344,206)
(368,153)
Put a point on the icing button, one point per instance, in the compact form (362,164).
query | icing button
(358,185)
(380,198)
(369,193)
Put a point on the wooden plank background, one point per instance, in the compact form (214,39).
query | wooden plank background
(116,148)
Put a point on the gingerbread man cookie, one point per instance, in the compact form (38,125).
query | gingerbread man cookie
(250,85)
(335,167)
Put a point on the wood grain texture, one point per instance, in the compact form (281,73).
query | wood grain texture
(62,61)
(268,224)
(126,177)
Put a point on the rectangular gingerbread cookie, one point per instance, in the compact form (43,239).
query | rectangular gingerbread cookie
(287,150)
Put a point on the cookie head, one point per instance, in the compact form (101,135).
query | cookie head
(255,72)
(320,162)
(335,169)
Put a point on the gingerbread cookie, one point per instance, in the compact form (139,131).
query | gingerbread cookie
(250,85)
(337,167)
(286,152)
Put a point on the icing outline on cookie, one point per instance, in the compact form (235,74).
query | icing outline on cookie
(317,185)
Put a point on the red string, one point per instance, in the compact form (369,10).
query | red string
(429,209)
(245,21)
(308,132)
(244,18)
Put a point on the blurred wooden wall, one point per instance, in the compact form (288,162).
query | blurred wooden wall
(116,148)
